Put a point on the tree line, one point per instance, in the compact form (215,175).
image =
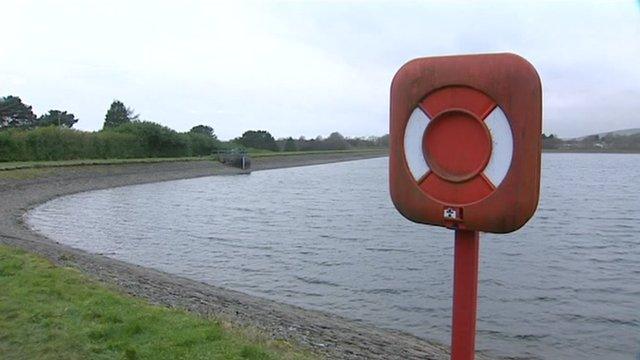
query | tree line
(27,137)
(16,114)
(595,143)
(261,139)
(24,136)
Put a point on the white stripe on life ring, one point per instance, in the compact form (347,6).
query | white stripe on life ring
(502,146)
(413,143)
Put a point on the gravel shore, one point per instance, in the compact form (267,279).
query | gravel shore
(330,336)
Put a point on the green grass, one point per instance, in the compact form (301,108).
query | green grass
(59,163)
(49,312)
(4,166)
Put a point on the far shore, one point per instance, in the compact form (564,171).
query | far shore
(590,151)
(328,335)
(374,152)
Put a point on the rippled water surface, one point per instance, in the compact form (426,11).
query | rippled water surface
(566,286)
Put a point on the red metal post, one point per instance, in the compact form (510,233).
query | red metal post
(465,295)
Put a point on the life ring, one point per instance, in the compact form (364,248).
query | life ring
(458,145)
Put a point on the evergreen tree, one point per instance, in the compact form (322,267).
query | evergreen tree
(14,113)
(118,114)
(203,129)
(336,141)
(57,117)
(258,139)
(290,144)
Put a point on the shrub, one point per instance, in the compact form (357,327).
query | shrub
(201,144)
(138,139)
(156,140)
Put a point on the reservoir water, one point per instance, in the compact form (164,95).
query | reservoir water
(566,286)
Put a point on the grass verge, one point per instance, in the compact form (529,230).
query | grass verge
(49,312)
(44,164)
(5,166)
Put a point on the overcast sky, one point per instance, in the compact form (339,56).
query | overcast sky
(307,68)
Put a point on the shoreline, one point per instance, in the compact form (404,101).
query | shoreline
(589,151)
(328,335)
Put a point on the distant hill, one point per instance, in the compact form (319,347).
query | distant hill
(625,132)
(627,140)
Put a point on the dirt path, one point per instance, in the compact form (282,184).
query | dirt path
(329,335)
